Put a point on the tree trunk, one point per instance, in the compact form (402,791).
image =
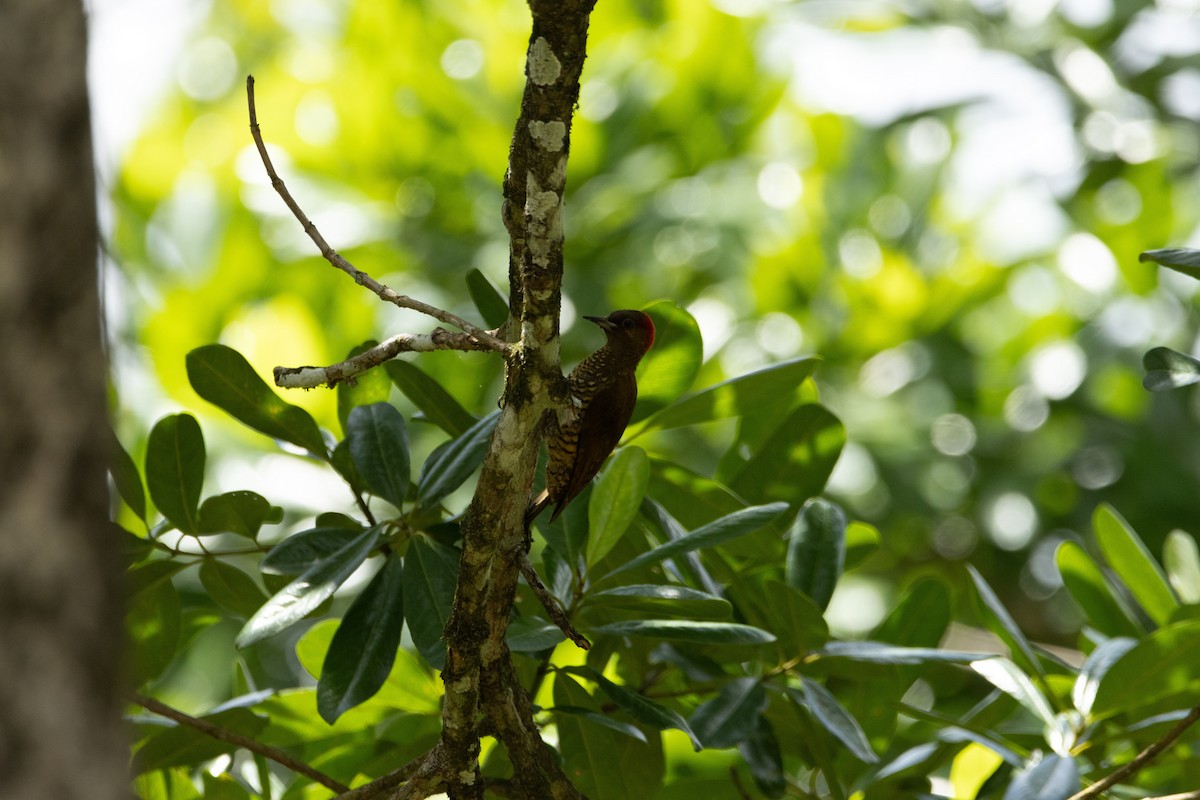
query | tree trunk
(61,734)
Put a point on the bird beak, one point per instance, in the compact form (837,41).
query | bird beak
(601,321)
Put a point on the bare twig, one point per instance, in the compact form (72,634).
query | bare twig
(225,735)
(486,340)
(1141,759)
(557,615)
(312,377)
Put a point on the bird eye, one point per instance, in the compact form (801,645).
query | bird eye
(627,323)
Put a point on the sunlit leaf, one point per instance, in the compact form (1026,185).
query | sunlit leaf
(816,551)
(438,405)
(1163,664)
(615,500)
(670,368)
(175,469)
(378,442)
(1008,678)
(1182,561)
(1129,558)
(1089,588)
(879,653)
(1098,662)
(223,377)
(362,652)
(1054,777)
(309,590)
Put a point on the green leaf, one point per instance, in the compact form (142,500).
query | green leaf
(532,635)
(732,716)
(670,368)
(688,631)
(362,652)
(1091,590)
(1130,560)
(1001,623)
(834,717)
(223,377)
(378,442)
(231,589)
(1097,665)
(1182,560)
(438,405)
(816,551)
(920,618)
(659,600)
(430,575)
(747,394)
(1161,665)
(1180,259)
(491,304)
(126,478)
(643,710)
(1167,369)
(728,527)
(1010,679)
(794,618)
(185,746)
(603,764)
(795,462)
(242,513)
(1054,777)
(223,787)
(153,623)
(301,551)
(367,388)
(762,755)
(305,593)
(596,718)
(869,652)
(454,461)
(862,540)
(151,574)
(615,500)
(175,469)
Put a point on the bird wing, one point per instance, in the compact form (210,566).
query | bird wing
(601,424)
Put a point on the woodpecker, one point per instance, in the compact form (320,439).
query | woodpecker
(603,393)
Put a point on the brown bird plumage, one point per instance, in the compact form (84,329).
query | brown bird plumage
(604,391)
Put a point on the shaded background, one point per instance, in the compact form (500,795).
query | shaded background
(945,200)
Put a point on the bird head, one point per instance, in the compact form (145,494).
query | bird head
(627,330)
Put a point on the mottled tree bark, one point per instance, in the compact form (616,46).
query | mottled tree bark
(61,734)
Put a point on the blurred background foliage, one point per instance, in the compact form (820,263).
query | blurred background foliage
(943,199)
